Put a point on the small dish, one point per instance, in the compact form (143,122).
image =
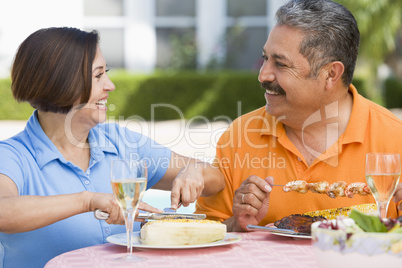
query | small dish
(337,248)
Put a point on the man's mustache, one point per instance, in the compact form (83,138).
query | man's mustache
(273,86)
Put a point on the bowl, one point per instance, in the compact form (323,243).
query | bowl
(336,248)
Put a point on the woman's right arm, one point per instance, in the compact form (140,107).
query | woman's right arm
(27,213)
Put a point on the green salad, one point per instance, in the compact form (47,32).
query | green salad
(364,223)
(369,223)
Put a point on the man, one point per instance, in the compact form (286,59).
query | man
(315,126)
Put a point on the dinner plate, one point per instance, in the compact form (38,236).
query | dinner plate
(121,239)
(294,235)
(272,231)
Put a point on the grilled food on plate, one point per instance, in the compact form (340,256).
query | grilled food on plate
(298,222)
(301,223)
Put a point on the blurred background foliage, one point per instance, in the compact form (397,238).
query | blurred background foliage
(380,55)
(378,21)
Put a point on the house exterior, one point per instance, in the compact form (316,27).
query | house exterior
(145,35)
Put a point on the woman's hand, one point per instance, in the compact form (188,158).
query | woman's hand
(107,203)
(145,207)
(188,179)
(188,185)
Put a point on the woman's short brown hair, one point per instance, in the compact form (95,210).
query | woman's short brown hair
(52,69)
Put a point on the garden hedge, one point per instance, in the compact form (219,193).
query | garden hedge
(393,93)
(10,109)
(165,96)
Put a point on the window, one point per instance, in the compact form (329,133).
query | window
(244,48)
(240,8)
(175,8)
(112,45)
(103,7)
(176,48)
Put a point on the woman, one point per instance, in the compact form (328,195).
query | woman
(55,173)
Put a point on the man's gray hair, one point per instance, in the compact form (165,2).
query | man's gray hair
(330,33)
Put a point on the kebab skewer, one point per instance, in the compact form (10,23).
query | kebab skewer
(339,188)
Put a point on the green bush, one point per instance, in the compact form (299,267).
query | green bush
(126,85)
(232,95)
(188,95)
(167,96)
(10,109)
(393,93)
(361,87)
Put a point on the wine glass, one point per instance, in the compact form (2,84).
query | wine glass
(129,181)
(383,171)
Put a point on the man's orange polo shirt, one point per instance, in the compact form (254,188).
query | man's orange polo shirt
(256,144)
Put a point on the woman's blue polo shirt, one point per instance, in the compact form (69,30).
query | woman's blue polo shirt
(33,162)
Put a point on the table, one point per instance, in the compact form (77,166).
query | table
(257,249)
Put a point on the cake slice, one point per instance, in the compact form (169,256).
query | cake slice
(178,232)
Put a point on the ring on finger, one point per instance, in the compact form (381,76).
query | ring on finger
(242,199)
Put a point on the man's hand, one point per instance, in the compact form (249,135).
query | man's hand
(250,203)
(398,195)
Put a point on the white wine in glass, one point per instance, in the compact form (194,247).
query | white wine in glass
(129,182)
(382,175)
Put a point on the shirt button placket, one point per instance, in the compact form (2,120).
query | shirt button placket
(87,181)
(300,168)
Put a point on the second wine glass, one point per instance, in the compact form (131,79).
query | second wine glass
(382,175)
(129,182)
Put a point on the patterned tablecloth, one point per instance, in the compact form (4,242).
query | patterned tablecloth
(256,249)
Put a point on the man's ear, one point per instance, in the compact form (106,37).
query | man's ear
(334,73)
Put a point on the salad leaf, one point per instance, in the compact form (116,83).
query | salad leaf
(396,229)
(367,222)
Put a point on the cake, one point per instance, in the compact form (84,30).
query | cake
(176,232)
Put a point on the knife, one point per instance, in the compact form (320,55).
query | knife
(170,215)
(275,230)
(102,215)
